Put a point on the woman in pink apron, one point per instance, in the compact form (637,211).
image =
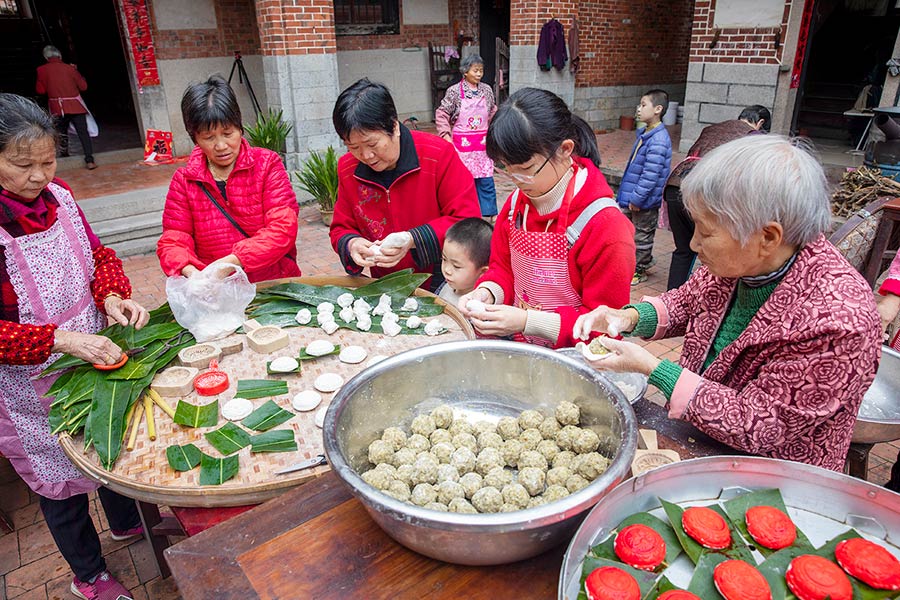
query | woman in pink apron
(56,283)
(557,251)
(463,119)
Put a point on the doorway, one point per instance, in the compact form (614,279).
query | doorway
(494,23)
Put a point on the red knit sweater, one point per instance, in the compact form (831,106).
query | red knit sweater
(601,263)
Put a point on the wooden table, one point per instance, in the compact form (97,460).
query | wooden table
(300,544)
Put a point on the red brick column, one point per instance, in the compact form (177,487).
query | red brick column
(296,27)
(526,19)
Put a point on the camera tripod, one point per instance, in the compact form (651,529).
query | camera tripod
(243,78)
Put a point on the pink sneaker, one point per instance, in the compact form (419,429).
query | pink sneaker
(105,587)
(125,534)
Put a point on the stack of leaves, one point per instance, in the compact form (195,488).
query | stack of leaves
(278,305)
(97,402)
(772,566)
(230,439)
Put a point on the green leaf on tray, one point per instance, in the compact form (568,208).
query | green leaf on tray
(183,458)
(737,507)
(304,355)
(281,440)
(267,416)
(260,388)
(606,549)
(269,370)
(397,285)
(111,400)
(738,549)
(228,439)
(645,579)
(702,580)
(662,586)
(861,591)
(216,471)
(193,415)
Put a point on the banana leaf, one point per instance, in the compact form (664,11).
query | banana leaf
(260,388)
(216,471)
(606,548)
(397,285)
(57,420)
(228,439)
(662,586)
(61,382)
(282,306)
(702,583)
(281,440)
(193,415)
(150,361)
(161,314)
(81,387)
(645,579)
(304,355)
(738,549)
(296,371)
(266,417)
(308,294)
(110,403)
(737,509)
(861,591)
(183,458)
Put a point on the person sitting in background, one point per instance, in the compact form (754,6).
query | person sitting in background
(465,258)
(753,119)
(232,203)
(463,118)
(781,335)
(399,190)
(888,309)
(58,285)
(63,84)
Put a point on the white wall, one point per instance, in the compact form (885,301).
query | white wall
(745,13)
(425,12)
(404,72)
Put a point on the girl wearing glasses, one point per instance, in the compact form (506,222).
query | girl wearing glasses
(561,246)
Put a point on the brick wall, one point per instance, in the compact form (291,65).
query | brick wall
(526,17)
(737,46)
(633,43)
(236,30)
(461,12)
(289,27)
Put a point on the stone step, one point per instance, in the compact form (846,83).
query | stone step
(101,158)
(139,245)
(126,228)
(126,204)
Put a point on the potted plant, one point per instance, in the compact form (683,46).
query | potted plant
(318,176)
(270,131)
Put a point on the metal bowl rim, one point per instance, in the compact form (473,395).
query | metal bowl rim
(525,519)
(896,355)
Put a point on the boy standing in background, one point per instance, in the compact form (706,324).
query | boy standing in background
(641,191)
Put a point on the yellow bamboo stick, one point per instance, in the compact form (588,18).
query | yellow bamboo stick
(128,420)
(148,412)
(138,413)
(157,399)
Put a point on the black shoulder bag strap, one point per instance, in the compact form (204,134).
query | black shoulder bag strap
(222,210)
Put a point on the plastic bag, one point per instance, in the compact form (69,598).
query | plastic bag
(210,304)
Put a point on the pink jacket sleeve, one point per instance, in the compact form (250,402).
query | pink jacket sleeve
(279,233)
(891,285)
(175,247)
(456,195)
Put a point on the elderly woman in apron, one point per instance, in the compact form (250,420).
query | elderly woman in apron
(463,118)
(560,246)
(56,283)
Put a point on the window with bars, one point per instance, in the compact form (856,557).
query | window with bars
(10,8)
(366,17)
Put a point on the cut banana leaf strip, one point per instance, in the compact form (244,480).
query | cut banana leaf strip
(216,471)
(861,590)
(397,285)
(737,507)
(183,458)
(606,549)
(110,403)
(61,382)
(266,417)
(228,439)
(192,415)
(738,549)
(281,440)
(260,388)
(161,314)
(645,579)
(304,355)
(702,583)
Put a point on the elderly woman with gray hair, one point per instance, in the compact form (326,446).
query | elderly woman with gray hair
(781,335)
(463,118)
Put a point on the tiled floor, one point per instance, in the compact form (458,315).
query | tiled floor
(30,566)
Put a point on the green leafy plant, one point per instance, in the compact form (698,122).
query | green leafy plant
(270,131)
(318,176)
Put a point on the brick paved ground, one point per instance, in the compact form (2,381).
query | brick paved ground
(32,569)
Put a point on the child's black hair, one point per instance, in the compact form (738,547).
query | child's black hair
(474,235)
(364,106)
(534,121)
(209,104)
(757,113)
(659,97)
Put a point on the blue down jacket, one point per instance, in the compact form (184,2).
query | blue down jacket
(645,176)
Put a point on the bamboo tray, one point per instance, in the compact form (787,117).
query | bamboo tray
(145,474)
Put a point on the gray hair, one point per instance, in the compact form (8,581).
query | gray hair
(757,179)
(469,61)
(22,122)
(51,52)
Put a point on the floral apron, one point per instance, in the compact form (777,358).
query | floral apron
(50,272)
(470,133)
(540,262)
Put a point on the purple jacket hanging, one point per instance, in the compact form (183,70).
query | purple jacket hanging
(552,46)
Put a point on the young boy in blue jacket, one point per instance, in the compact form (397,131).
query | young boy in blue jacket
(641,191)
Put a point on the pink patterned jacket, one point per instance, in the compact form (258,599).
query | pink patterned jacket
(790,386)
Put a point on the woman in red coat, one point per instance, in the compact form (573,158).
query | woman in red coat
(400,190)
(232,203)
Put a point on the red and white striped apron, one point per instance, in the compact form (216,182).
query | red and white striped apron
(540,261)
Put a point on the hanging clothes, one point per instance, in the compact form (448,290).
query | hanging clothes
(552,46)
(574,51)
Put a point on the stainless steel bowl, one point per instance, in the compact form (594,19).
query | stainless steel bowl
(633,385)
(483,380)
(879,419)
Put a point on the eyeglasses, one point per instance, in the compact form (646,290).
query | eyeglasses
(500,170)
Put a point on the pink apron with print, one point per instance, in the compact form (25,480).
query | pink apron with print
(50,272)
(470,133)
(540,263)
